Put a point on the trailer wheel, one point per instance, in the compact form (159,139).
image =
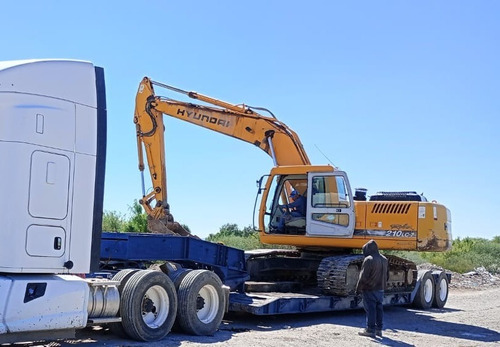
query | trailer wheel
(177,282)
(123,276)
(201,303)
(148,305)
(425,293)
(178,279)
(441,291)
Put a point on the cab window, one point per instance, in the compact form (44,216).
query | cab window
(329,191)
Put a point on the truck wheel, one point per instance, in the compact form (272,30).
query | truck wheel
(441,291)
(148,305)
(201,303)
(123,276)
(425,293)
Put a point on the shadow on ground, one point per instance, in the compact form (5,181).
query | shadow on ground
(398,321)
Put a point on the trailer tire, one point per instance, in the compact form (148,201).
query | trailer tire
(202,303)
(123,276)
(441,290)
(178,279)
(148,305)
(425,293)
(177,282)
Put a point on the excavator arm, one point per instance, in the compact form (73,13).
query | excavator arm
(238,121)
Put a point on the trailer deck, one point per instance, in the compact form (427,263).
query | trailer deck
(229,264)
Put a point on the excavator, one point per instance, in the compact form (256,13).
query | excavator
(324,244)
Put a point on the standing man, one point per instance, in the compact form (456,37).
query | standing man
(371,284)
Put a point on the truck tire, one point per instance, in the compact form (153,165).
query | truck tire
(441,290)
(425,293)
(148,305)
(201,303)
(123,276)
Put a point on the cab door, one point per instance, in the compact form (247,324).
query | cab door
(330,210)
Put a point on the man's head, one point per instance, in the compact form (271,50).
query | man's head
(294,195)
(370,248)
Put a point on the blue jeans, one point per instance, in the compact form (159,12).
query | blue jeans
(372,302)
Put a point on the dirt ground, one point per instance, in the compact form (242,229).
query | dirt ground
(470,318)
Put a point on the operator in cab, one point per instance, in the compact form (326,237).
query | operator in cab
(297,208)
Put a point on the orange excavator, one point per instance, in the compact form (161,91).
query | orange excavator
(336,222)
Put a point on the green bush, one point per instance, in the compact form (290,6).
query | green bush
(138,222)
(468,254)
(117,222)
(415,257)
(245,239)
(113,221)
(240,242)
(231,229)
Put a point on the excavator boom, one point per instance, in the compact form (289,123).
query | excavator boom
(238,121)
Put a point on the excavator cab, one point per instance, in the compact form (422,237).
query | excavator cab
(329,207)
(288,210)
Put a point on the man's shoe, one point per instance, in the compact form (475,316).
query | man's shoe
(378,333)
(367,333)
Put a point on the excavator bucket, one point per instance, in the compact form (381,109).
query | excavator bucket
(164,226)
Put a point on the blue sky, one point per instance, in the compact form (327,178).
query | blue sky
(401,95)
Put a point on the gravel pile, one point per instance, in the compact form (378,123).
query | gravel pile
(480,278)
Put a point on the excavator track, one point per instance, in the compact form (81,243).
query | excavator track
(338,275)
(281,266)
(333,274)
(402,274)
